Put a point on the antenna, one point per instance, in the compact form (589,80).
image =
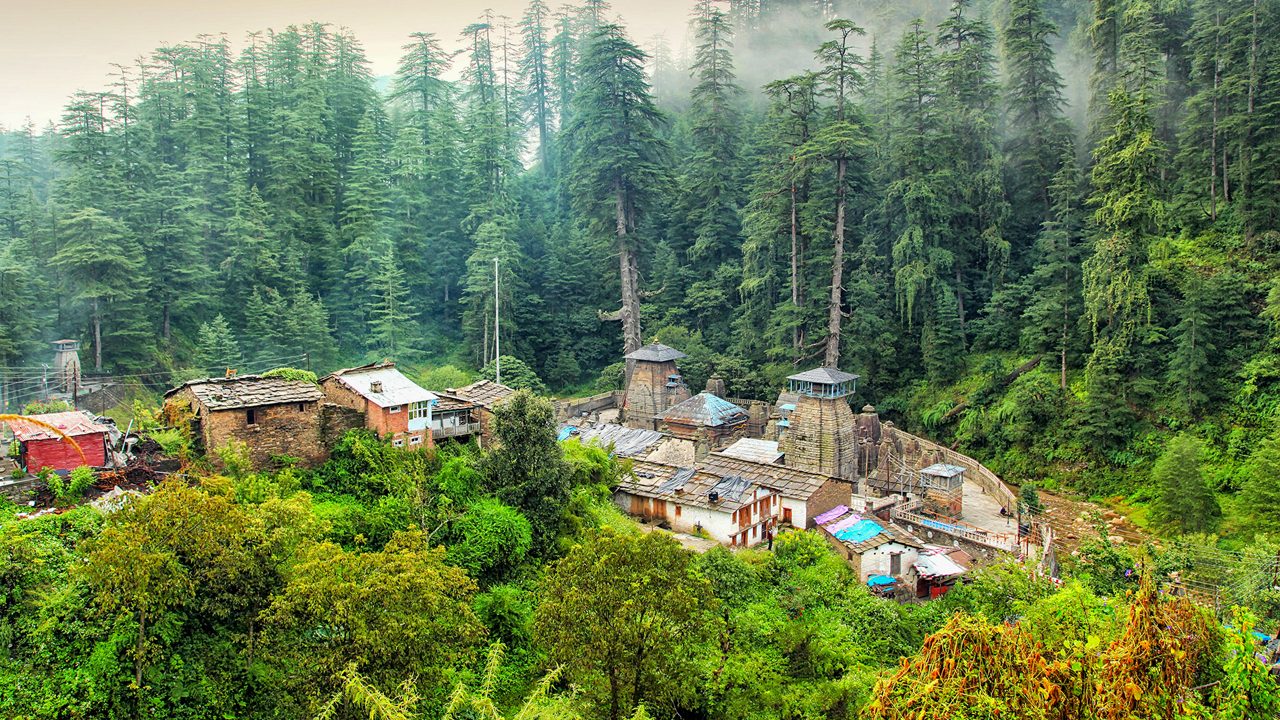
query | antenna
(497,337)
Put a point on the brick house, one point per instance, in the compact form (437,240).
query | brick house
(39,447)
(393,406)
(271,416)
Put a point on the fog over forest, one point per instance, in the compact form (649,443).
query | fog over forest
(1042,233)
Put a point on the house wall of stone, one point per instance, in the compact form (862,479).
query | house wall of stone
(289,429)
(832,493)
(336,420)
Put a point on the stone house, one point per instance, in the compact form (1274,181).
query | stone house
(393,406)
(467,411)
(271,416)
(730,509)
(873,547)
(802,494)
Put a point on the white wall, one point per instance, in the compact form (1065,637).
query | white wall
(799,512)
(719,525)
(877,561)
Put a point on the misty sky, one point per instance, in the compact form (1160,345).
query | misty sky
(51,48)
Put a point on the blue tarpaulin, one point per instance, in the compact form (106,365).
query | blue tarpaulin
(860,531)
(565,432)
(880,580)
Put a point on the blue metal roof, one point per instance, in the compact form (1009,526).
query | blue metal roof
(706,409)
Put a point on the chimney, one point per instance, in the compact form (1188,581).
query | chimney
(375,386)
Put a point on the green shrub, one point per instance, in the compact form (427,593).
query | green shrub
(40,407)
(490,540)
(173,442)
(286,373)
(71,488)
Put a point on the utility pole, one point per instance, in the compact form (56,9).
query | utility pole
(497,340)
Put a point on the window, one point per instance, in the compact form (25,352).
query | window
(895,564)
(302,407)
(677,511)
(417,410)
(398,442)
(415,440)
(394,408)
(251,416)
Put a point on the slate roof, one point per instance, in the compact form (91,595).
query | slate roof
(72,422)
(451,403)
(486,393)
(690,486)
(655,352)
(245,391)
(755,450)
(396,388)
(789,482)
(706,410)
(625,441)
(823,375)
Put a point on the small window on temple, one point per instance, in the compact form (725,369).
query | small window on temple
(251,416)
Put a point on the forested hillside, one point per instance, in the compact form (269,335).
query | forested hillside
(1044,229)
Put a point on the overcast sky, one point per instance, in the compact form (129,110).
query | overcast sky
(51,48)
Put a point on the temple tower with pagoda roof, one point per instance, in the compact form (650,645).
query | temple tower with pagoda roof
(654,385)
(820,435)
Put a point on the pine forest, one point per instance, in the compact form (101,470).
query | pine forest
(1044,234)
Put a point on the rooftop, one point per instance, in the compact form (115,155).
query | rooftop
(690,486)
(625,441)
(754,450)
(393,388)
(655,352)
(72,422)
(486,393)
(789,482)
(244,391)
(943,470)
(707,410)
(823,375)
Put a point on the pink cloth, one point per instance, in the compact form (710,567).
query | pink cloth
(848,522)
(830,515)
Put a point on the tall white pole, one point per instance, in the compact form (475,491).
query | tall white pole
(497,341)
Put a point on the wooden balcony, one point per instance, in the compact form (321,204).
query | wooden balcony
(458,430)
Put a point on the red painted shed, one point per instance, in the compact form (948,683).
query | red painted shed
(40,447)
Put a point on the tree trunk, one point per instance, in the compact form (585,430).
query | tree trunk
(613,694)
(97,337)
(834,313)
(137,650)
(964,340)
(165,324)
(797,337)
(629,275)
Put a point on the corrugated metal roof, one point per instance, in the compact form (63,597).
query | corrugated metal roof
(484,392)
(824,375)
(72,422)
(396,389)
(931,566)
(754,449)
(655,352)
(244,391)
(707,410)
(943,470)
(625,441)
